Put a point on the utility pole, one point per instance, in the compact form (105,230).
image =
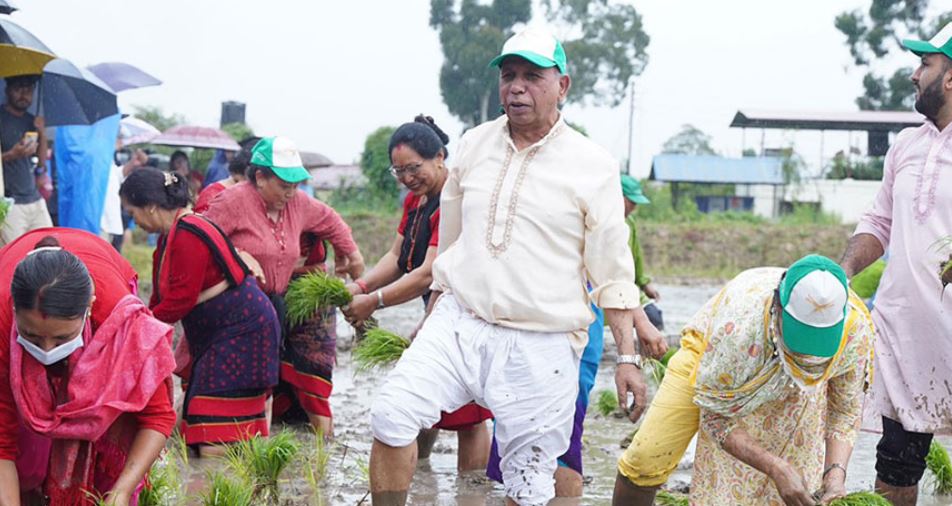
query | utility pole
(631,125)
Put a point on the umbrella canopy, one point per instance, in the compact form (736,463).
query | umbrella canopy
(136,131)
(20,51)
(197,137)
(312,160)
(69,95)
(7,7)
(122,76)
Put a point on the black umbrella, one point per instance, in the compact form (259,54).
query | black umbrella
(6,7)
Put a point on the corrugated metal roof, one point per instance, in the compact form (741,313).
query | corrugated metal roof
(716,169)
(837,120)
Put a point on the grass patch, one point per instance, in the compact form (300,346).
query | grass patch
(311,291)
(163,484)
(939,464)
(5,204)
(260,461)
(379,348)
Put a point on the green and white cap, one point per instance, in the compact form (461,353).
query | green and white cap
(941,43)
(814,297)
(281,156)
(537,46)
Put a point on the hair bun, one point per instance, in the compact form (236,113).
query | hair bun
(428,121)
(47,242)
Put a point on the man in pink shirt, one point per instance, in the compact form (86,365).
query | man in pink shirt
(912,390)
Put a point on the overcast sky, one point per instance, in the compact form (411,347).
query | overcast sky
(328,73)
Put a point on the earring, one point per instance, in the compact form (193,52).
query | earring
(152,211)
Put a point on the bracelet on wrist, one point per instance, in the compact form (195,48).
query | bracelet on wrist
(380,303)
(831,467)
(634,360)
(362,285)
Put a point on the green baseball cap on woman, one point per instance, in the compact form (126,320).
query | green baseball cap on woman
(814,296)
(281,156)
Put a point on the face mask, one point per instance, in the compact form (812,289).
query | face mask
(56,354)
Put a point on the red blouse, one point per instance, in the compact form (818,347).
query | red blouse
(413,202)
(192,270)
(113,277)
(241,213)
(207,195)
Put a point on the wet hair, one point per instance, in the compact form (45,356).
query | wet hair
(239,164)
(179,154)
(421,135)
(22,81)
(53,282)
(154,187)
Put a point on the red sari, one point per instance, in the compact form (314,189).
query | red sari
(78,423)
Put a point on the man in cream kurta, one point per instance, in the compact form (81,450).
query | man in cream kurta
(531,213)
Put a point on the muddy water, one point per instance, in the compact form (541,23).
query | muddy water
(437,481)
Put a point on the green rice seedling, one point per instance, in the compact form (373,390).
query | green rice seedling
(260,461)
(665,498)
(162,484)
(944,245)
(939,464)
(654,370)
(315,464)
(861,499)
(311,291)
(379,348)
(606,403)
(5,204)
(668,354)
(225,491)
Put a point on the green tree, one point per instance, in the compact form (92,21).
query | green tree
(375,163)
(238,131)
(689,141)
(873,34)
(606,50)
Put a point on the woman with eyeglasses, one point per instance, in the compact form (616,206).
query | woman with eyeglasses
(417,154)
(85,373)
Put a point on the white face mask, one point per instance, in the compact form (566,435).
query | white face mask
(58,353)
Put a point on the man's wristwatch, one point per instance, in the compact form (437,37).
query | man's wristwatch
(634,360)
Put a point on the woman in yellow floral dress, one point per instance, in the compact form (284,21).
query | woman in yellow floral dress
(772,370)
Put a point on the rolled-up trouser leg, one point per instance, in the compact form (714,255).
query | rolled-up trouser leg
(531,387)
(668,426)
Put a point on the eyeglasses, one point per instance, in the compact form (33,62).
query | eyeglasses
(409,170)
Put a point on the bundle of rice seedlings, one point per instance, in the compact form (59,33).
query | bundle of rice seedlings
(260,461)
(939,464)
(162,484)
(665,498)
(5,204)
(861,499)
(225,491)
(654,370)
(944,245)
(311,291)
(379,348)
(668,354)
(606,403)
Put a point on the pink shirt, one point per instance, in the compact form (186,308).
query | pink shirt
(241,213)
(913,351)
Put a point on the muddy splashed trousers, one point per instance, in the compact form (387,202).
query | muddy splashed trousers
(528,379)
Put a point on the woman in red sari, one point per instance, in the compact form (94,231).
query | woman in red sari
(231,330)
(71,426)
(417,151)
